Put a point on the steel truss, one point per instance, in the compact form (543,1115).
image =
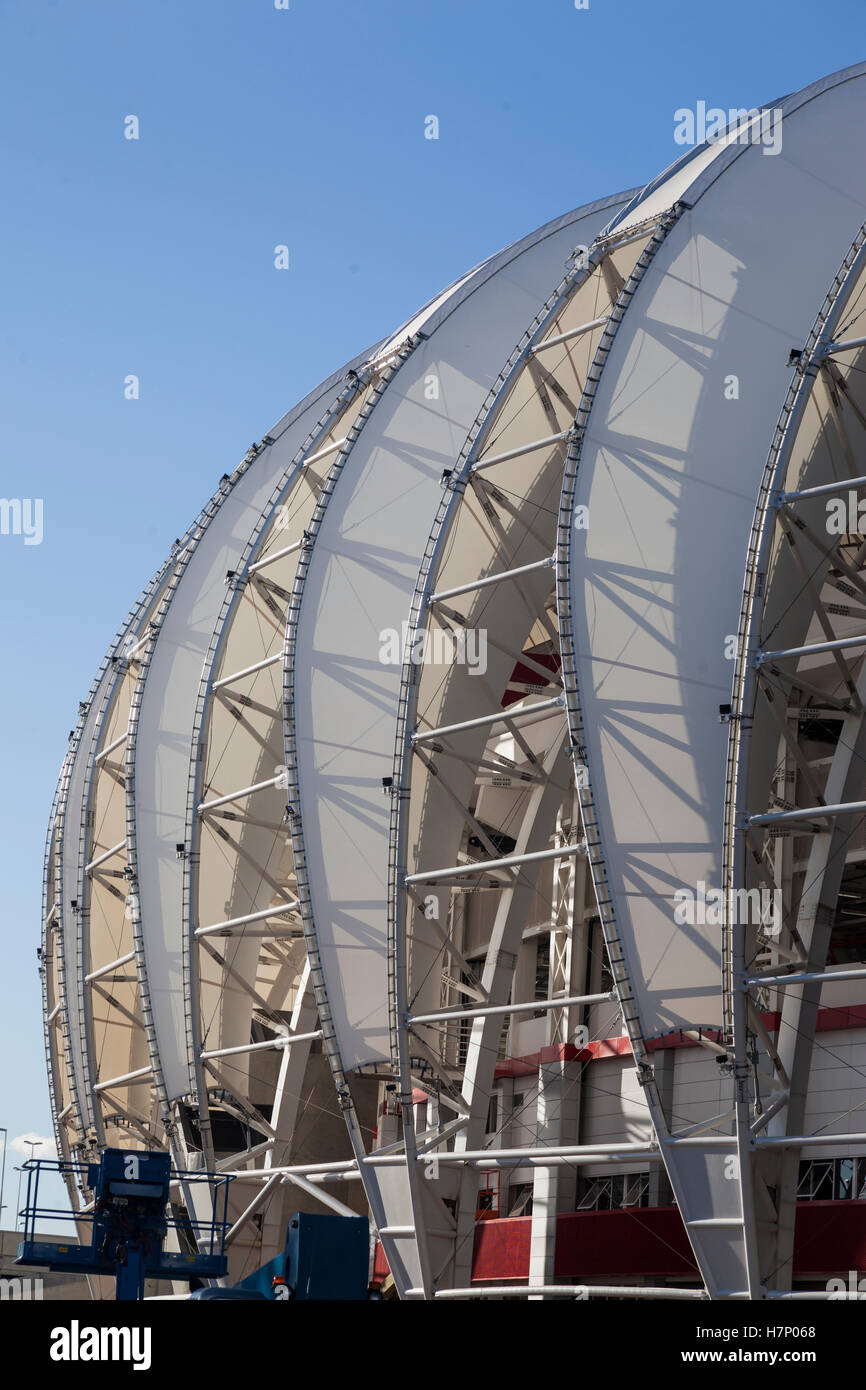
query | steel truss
(684,1152)
(238,720)
(106,883)
(329,1039)
(794,580)
(480,487)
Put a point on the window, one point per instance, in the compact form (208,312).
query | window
(636,1190)
(520,1199)
(848,938)
(598,1194)
(542,971)
(465,1024)
(600,967)
(832,1180)
(614,1192)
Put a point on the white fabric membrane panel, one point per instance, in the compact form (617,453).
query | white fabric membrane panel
(669,471)
(360,582)
(70,849)
(166,721)
(69,844)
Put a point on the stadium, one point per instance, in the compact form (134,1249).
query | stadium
(466,827)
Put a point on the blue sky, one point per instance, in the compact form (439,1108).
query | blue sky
(155,257)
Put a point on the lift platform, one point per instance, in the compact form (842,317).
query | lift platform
(129,1219)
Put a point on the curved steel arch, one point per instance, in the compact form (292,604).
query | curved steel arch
(118,666)
(798,459)
(570,316)
(650,599)
(71,844)
(318,974)
(239,585)
(235,497)
(52,980)
(298,490)
(410,480)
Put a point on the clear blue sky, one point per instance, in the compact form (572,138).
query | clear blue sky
(155,257)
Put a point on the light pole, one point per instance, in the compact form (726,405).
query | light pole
(5,1134)
(31,1144)
(19,1171)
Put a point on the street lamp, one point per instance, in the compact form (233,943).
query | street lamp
(19,1171)
(5,1134)
(31,1144)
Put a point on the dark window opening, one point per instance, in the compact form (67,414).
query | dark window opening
(613,1192)
(832,1180)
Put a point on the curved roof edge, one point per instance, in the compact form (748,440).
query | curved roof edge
(717,155)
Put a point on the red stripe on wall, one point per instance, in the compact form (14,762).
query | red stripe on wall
(829,1239)
(829,1020)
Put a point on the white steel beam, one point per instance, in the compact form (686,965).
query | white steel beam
(319,1193)
(510,861)
(522,449)
(572,333)
(102,858)
(255,1205)
(223,1165)
(581,1291)
(490,579)
(248,671)
(578,1154)
(131,653)
(808,1141)
(333,448)
(500,717)
(807,978)
(283,1040)
(205,806)
(277,911)
(277,555)
(843,808)
(825,490)
(112,965)
(844,346)
(811,649)
(111,748)
(126,1080)
(555,1003)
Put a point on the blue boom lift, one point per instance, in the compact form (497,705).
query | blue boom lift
(128,1223)
(325,1257)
